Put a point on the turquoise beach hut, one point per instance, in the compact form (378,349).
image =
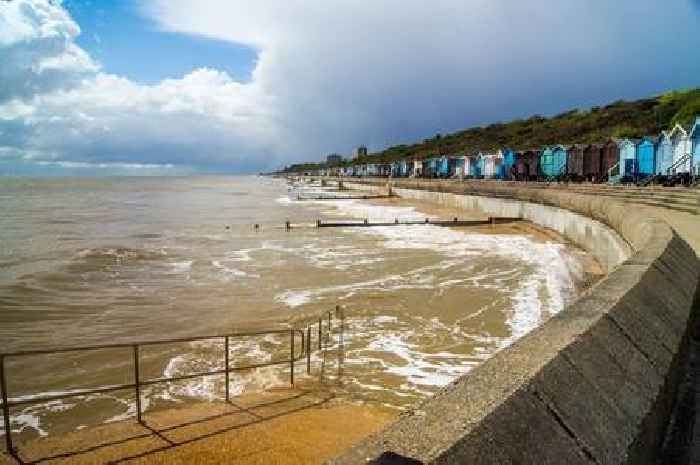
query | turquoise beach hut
(628,158)
(553,161)
(664,154)
(646,157)
(459,166)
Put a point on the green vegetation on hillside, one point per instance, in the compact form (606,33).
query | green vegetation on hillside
(619,119)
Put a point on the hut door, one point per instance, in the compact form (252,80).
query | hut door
(629,167)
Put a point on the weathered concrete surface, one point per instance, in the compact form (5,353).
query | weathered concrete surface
(595,384)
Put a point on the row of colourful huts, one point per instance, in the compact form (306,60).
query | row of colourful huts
(672,154)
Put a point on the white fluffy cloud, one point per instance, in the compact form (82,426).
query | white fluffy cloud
(330,75)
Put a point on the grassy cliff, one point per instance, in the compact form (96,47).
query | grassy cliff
(619,119)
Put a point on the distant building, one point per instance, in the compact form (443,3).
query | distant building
(360,151)
(334,159)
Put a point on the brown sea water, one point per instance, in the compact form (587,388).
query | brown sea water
(107,260)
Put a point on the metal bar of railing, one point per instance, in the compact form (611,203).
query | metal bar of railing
(137,383)
(128,345)
(5,407)
(226,361)
(291,357)
(320,333)
(308,350)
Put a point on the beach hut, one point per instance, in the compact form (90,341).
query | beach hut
(425,168)
(395,169)
(459,167)
(417,169)
(610,158)
(553,161)
(453,170)
(466,170)
(476,168)
(508,157)
(680,146)
(574,162)
(593,162)
(430,168)
(527,164)
(498,169)
(646,156)
(695,145)
(488,165)
(443,167)
(664,154)
(628,158)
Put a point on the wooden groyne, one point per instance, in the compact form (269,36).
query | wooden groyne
(444,223)
(344,197)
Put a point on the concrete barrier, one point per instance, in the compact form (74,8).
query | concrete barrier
(594,384)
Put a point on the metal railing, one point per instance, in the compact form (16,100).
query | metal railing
(681,161)
(138,383)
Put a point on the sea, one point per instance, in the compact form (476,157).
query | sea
(94,261)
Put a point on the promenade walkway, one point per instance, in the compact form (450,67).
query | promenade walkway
(281,427)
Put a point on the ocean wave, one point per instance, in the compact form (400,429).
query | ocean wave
(553,272)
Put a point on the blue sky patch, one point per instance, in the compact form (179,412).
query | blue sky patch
(126,43)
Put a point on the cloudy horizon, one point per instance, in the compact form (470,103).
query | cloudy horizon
(235,87)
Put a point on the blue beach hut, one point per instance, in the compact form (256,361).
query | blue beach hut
(506,168)
(430,167)
(664,154)
(695,145)
(476,166)
(646,157)
(443,167)
(426,168)
(628,158)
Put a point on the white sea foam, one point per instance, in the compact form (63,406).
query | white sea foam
(294,298)
(182,267)
(547,289)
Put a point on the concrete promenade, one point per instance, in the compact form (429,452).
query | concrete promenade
(599,383)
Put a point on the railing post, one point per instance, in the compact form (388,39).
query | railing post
(320,333)
(226,361)
(341,342)
(291,357)
(5,408)
(308,350)
(330,325)
(137,383)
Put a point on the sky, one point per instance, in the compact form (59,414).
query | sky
(233,86)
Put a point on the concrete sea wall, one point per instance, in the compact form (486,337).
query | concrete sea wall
(593,385)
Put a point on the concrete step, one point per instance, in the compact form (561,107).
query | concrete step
(662,199)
